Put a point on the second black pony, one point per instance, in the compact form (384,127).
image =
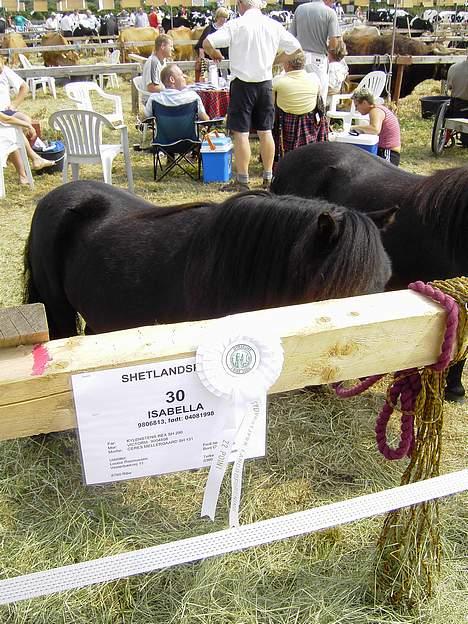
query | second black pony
(428,237)
(121,262)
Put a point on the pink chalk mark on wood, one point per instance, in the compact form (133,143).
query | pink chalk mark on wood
(40,358)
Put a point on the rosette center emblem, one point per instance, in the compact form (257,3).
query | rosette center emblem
(240,359)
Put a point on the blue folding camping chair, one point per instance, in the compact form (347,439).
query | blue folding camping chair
(176,137)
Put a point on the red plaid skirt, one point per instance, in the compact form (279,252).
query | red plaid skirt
(292,131)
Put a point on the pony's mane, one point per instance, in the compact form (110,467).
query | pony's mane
(270,245)
(442,202)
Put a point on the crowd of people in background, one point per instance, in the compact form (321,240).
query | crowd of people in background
(286,112)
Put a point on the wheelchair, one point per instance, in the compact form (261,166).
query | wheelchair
(447,130)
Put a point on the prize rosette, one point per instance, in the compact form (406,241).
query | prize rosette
(239,368)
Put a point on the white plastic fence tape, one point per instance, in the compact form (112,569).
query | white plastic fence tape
(229,540)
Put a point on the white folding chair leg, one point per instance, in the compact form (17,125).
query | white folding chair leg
(107,160)
(347,123)
(101,80)
(75,171)
(65,169)
(2,183)
(44,85)
(32,87)
(129,172)
(126,155)
(51,82)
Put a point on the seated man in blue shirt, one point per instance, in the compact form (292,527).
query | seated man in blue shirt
(175,92)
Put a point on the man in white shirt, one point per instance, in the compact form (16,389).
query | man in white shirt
(76,19)
(141,19)
(175,92)
(67,25)
(316,26)
(253,41)
(88,21)
(163,48)
(52,22)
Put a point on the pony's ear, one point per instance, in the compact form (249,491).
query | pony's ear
(383,218)
(326,227)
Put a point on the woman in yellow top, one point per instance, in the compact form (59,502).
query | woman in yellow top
(296,90)
(300,117)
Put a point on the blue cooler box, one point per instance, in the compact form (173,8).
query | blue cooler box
(217,163)
(368,142)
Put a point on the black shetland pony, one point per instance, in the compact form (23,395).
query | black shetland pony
(121,262)
(428,238)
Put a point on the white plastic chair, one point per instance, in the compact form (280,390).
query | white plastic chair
(82,136)
(111,77)
(138,82)
(373,82)
(142,93)
(79,92)
(44,82)
(12,139)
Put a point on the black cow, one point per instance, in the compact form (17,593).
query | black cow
(109,25)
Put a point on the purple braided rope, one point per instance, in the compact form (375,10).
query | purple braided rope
(407,384)
(451,324)
(364,384)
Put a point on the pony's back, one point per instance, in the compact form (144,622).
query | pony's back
(442,205)
(60,216)
(263,251)
(121,262)
(344,174)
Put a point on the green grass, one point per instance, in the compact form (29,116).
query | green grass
(320,450)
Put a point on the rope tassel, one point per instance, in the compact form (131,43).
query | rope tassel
(409,545)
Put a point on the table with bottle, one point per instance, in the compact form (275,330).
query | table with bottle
(214,93)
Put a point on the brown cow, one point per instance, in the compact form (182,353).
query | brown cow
(56,59)
(147,37)
(371,44)
(381,46)
(13,40)
(182,52)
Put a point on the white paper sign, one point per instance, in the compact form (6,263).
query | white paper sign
(151,419)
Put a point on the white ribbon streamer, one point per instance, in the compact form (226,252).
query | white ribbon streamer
(244,435)
(240,369)
(229,540)
(220,460)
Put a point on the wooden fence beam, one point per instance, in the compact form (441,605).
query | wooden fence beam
(323,342)
(65,71)
(23,325)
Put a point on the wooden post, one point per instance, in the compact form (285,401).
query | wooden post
(23,325)
(401,61)
(323,342)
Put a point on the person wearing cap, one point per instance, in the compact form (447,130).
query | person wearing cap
(52,23)
(254,41)
(382,121)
